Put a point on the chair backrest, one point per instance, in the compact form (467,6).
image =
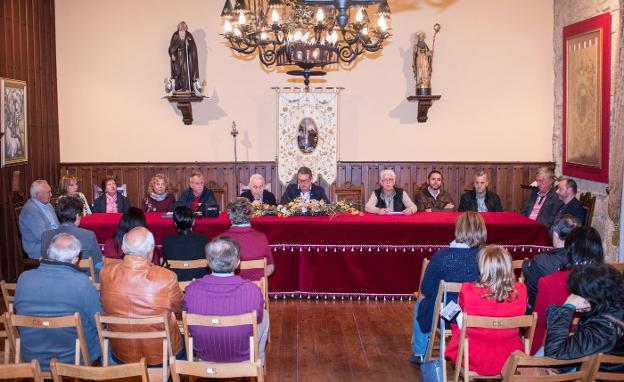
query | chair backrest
(618,266)
(220,192)
(519,360)
(8,294)
(15,321)
(22,370)
(494,323)
(264,288)
(255,264)
(4,336)
(437,307)
(423,269)
(184,284)
(187,264)
(97,190)
(349,192)
(88,264)
(517,268)
(91,373)
(110,261)
(215,370)
(603,360)
(108,327)
(588,202)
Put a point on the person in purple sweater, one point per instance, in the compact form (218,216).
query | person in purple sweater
(222,293)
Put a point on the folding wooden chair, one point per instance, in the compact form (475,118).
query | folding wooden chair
(493,323)
(423,268)
(112,330)
(248,368)
(88,264)
(519,360)
(22,370)
(450,288)
(8,294)
(110,261)
(602,360)
(255,264)
(184,284)
(262,284)
(187,264)
(4,336)
(517,268)
(90,373)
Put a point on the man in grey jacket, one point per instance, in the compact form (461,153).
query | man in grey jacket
(36,217)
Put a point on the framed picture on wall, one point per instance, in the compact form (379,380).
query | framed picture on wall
(586,98)
(13,124)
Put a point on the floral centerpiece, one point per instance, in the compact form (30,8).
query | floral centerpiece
(302,207)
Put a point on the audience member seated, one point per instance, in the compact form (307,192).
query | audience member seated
(68,186)
(550,261)
(432,197)
(196,194)
(480,199)
(543,203)
(583,246)
(57,288)
(69,211)
(566,191)
(185,245)
(136,288)
(257,192)
(222,293)
(389,198)
(304,188)
(159,197)
(111,200)
(37,216)
(597,295)
(458,263)
(495,294)
(132,218)
(253,244)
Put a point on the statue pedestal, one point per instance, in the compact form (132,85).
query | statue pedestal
(183,102)
(424,103)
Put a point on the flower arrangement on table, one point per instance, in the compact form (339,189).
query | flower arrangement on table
(302,207)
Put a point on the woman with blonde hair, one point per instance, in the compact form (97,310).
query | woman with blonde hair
(68,186)
(495,294)
(158,198)
(458,263)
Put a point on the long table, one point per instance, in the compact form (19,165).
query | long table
(368,256)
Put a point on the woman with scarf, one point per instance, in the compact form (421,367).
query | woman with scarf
(159,198)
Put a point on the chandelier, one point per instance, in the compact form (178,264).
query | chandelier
(306,33)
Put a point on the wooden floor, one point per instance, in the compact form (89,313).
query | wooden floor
(318,340)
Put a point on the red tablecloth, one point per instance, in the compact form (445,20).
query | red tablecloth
(349,255)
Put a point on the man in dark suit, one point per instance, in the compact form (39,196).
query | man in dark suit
(304,188)
(543,202)
(69,212)
(256,191)
(566,191)
(480,199)
(196,194)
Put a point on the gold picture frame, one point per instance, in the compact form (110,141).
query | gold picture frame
(13,121)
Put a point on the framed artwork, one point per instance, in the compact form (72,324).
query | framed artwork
(586,98)
(13,124)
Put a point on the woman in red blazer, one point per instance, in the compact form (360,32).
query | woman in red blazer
(496,294)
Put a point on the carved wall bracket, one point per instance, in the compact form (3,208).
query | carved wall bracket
(424,103)
(183,102)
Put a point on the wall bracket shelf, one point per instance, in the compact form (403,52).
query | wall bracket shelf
(424,103)
(183,102)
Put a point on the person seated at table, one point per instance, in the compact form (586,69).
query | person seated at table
(111,200)
(37,216)
(543,203)
(158,198)
(597,295)
(197,193)
(566,191)
(185,245)
(253,244)
(480,199)
(222,293)
(548,262)
(132,218)
(495,294)
(257,192)
(389,198)
(583,246)
(68,186)
(431,197)
(458,263)
(304,188)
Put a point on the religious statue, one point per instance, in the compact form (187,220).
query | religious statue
(183,56)
(423,61)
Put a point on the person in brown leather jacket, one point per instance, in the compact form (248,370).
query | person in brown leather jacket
(137,288)
(431,197)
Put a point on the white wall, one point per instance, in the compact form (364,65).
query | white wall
(493,66)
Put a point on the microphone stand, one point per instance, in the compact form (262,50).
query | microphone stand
(234,133)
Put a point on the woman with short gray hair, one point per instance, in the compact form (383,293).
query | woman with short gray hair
(388,198)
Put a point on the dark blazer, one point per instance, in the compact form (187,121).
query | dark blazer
(468,201)
(32,223)
(185,246)
(267,197)
(574,208)
(549,209)
(186,199)
(90,246)
(99,205)
(292,192)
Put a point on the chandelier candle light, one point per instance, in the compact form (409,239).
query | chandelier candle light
(305,33)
